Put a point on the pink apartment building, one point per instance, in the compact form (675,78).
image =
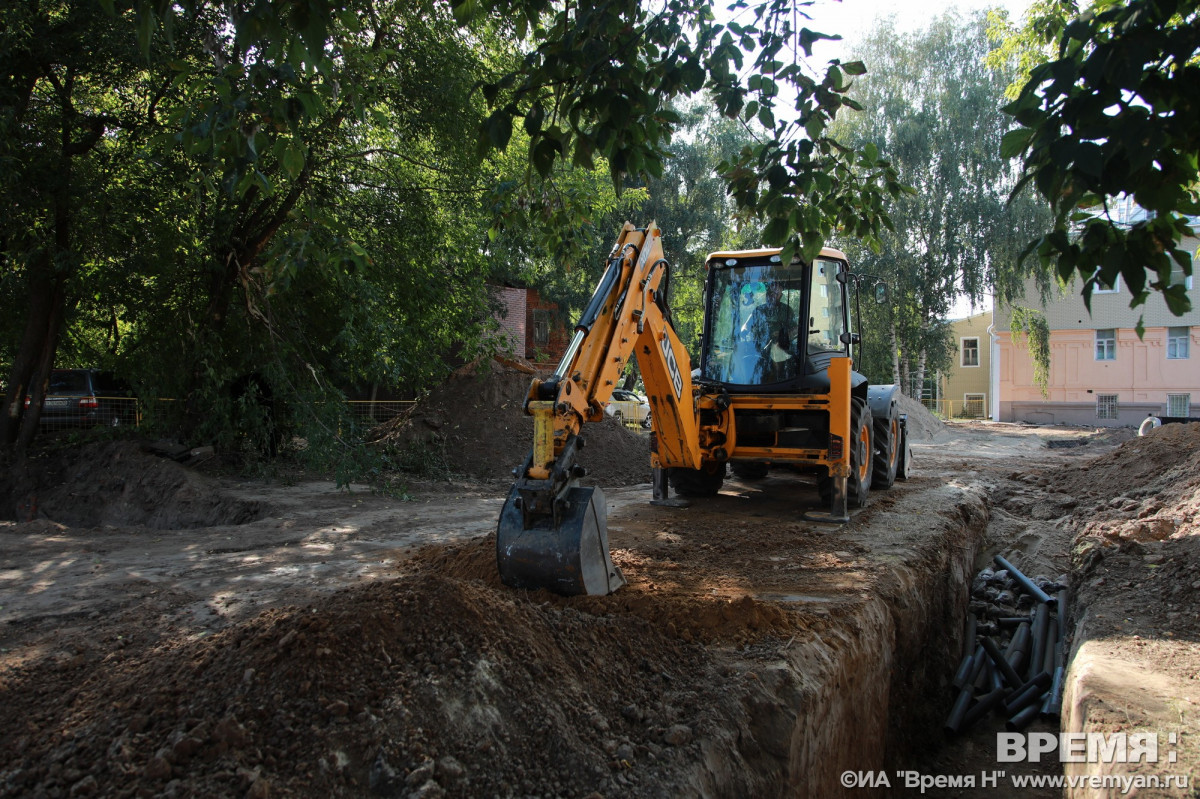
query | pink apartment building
(1101,373)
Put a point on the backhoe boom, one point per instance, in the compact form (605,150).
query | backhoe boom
(552,532)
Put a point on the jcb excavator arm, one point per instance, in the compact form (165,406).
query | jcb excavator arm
(552,532)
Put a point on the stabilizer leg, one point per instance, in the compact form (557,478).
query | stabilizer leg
(838,510)
(662,491)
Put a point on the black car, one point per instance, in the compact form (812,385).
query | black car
(87,397)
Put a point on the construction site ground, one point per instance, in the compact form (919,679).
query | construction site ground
(167,631)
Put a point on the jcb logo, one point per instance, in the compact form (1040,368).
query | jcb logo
(672,366)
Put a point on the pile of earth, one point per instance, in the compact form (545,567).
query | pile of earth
(922,425)
(475,424)
(1147,489)
(1132,517)
(116,483)
(425,686)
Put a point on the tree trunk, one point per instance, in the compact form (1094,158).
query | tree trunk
(45,305)
(42,368)
(259,219)
(39,343)
(895,339)
(631,378)
(922,356)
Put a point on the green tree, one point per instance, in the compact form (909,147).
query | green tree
(933,106)
(1113,113)
(692,208)
(246,206)
(68,72)
(600,78)
(231,156)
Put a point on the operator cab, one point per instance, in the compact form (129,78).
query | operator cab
(771,325)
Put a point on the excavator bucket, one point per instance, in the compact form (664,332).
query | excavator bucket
(570,558)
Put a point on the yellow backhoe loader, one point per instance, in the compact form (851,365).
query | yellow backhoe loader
(774,387)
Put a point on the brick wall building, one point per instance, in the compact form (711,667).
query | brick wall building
(531,324)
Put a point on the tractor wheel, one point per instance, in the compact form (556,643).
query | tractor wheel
(749,470)
(703,482)
(858,487)
(886,458)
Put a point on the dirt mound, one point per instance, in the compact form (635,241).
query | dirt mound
(1144,489)
(1161,467)
(475,424)
(116,483)
(679,611)
(419,687)
(922,425)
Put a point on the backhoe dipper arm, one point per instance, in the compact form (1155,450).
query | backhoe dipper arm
(552,533)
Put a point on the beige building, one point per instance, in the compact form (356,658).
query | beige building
(1101,372)
(965,389)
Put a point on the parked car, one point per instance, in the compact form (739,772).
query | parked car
(625,406)
(87,397)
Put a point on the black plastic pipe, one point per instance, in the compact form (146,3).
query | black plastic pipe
(1037,635)
(1028,693)
(984,681)
(982,707)
(1003,666)
(1018,647)
(1052,706)
(964,671)
(1050,656)
(1022,719)
(1029,586)
(963,701)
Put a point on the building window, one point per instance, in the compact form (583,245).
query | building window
(1099,287)
(1179,405)
(974,405)
(1106,406)
(1106,344)
(541,328)
(970,351)
(1177,342)
(1178,277)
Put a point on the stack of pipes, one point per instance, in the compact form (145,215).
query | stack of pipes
(1012,664)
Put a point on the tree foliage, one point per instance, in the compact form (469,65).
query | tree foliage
(1029,326)
(1018,49)
(933,106)
(599,80)
(235,204)
(319,191)
(1115,112)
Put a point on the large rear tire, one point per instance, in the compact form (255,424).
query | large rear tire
(858,487)
(703,482)
(886,458)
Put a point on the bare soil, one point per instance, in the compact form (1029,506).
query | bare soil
(475,425)
(165,632)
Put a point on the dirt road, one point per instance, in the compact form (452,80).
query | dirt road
(355,644)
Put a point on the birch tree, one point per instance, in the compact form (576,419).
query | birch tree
(933,108)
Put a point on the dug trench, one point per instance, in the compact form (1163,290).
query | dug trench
(752,654)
